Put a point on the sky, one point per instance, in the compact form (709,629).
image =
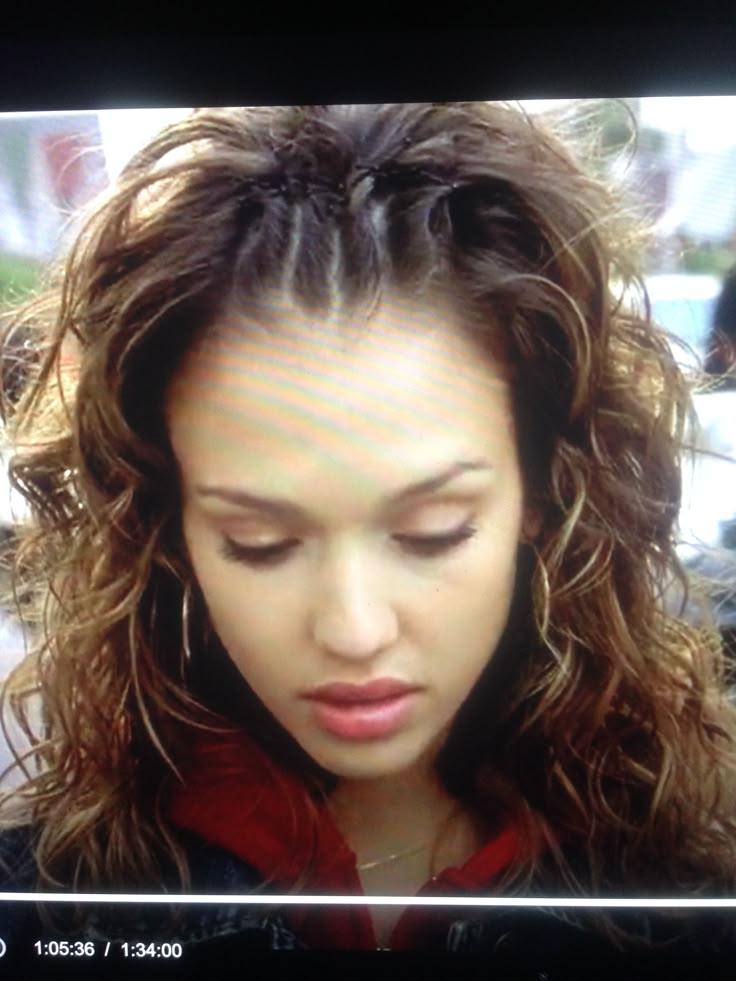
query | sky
(708,123)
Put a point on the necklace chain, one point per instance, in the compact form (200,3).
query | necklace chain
(387,859)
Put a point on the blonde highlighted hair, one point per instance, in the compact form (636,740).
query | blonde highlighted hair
(602,724)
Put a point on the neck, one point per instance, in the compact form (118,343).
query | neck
(388,814)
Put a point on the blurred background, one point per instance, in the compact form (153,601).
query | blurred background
(678,156)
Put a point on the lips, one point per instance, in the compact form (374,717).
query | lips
(361,712)
(373,691)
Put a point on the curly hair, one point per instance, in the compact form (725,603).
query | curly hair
(719,359)
(602,725)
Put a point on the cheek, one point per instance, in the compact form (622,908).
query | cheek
(249,620)
(240,605)
(479,599)
(254,632)
(467,611)
(482,605)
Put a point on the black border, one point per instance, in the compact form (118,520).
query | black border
(552,59)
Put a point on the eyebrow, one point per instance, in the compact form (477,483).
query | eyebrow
(280,507)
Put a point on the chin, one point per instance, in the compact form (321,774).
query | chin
(368,762)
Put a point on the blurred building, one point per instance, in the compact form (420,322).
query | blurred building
(702,201)
(50,165)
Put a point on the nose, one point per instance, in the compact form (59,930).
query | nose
(352,616)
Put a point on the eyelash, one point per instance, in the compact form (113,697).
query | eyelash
(257,555)
(423,546)
(429,546)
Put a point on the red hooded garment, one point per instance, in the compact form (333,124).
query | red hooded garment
(235,797)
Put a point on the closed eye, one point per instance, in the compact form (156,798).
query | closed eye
(257,554)
(423,546)
(429,546)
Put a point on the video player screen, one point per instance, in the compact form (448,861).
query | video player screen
(368,519)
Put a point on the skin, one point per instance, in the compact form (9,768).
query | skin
(337,424)
(360,579)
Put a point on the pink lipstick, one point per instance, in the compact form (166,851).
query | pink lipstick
(362,712)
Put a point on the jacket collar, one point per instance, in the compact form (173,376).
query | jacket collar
(234,796)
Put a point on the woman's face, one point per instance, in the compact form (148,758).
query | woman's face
(352,508)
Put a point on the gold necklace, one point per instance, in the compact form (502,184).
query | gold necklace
(387,859)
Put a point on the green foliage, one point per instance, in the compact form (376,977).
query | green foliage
(707,258)
(18,278)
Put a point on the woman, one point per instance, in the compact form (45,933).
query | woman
(354,485)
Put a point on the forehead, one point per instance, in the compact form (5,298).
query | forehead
(291,394)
